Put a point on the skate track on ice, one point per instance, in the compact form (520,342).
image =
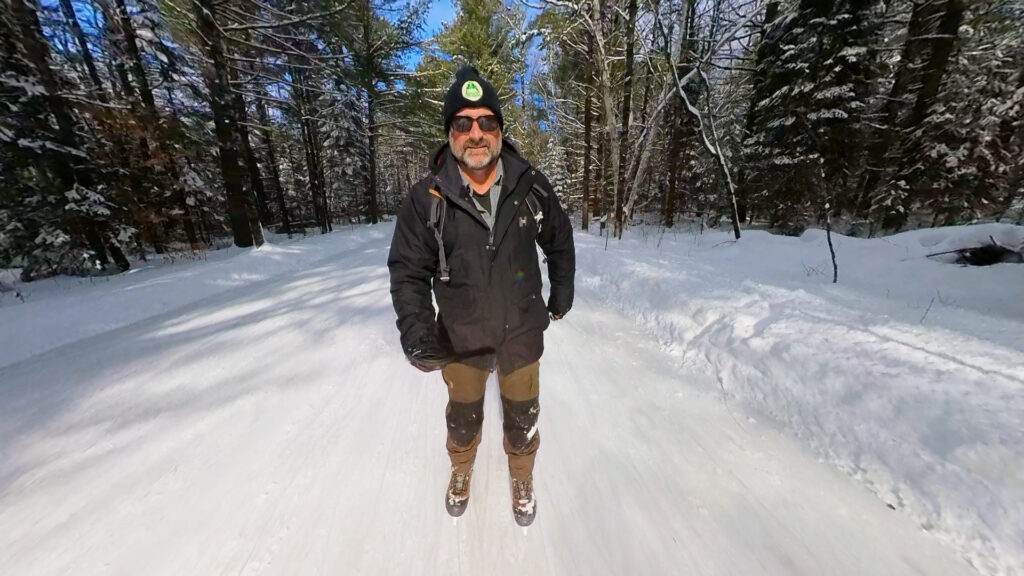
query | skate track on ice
(276,429)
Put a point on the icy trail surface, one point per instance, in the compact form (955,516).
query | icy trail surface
(274,428)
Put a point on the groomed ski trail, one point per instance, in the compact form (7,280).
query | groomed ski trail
(276,429)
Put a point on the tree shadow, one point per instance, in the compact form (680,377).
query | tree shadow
(271,335)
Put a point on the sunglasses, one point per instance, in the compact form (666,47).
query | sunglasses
(463,124)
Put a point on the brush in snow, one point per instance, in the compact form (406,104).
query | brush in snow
(986,255)
(524,504)
(457,497)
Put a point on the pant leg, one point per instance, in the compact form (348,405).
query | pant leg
(520,404)
(465,411)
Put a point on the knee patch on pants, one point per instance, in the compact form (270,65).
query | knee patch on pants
(519,420)
(465,420)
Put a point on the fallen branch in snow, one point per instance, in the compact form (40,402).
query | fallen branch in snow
(985,255)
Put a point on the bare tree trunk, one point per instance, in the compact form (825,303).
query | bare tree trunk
(318,147)
(294,161)
(674,150)
(310,139)
(720,159)
(712,144)
(135,61)
(682,49)
(275,174)
(83,48)
(225,125)
(371,105)
(622,191)
(371,126)
(312,169)
(602,178)
(612,142)
(251,164)
(587,143)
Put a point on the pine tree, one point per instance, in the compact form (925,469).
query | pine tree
(59,220)
(967,142)
(482,35)
(816,67)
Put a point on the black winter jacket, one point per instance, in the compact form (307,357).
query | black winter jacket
(493,301)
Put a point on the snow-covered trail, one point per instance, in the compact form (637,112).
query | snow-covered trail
(276,429)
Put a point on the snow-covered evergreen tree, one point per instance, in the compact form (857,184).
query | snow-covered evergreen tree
(817,64)
(971,142)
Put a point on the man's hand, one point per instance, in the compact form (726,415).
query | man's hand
(556,311)
(427,355)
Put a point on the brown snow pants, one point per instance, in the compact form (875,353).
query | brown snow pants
(520,403)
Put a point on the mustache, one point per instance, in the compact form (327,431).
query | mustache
(474,143)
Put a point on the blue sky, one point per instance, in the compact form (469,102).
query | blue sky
(440,12)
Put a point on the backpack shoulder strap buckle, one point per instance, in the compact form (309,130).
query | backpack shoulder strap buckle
(438,210)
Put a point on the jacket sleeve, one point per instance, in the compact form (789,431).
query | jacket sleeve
(555,240)
(412,262)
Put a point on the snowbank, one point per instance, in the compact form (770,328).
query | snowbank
(64,309)
(908,374)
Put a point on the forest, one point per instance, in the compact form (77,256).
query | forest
(135,128)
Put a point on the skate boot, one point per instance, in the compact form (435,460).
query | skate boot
(524,504)
(457,497)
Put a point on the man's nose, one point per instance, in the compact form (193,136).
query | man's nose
(475,132)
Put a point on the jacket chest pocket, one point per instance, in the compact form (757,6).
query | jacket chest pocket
(465,245)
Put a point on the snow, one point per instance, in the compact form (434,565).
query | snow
(29,85)
(251,413)
(62,310)
(147,35)
(37,146)
(907,374)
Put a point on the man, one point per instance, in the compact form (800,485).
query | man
(470,231)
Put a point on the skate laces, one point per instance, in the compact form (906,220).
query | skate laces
(460,482)
(522,490)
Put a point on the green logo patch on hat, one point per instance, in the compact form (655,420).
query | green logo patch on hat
(472,91)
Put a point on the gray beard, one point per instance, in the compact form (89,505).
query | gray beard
(475,163)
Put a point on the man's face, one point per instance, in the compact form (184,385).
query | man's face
(475,149)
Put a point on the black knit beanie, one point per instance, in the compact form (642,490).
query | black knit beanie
(470,90)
